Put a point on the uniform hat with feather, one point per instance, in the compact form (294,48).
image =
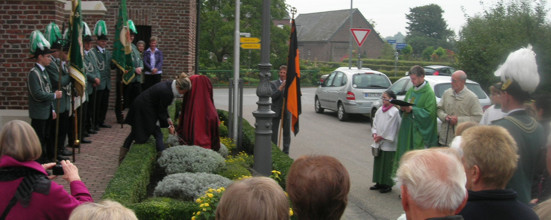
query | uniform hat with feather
(100,30)
(519,73)
(132,27)
(86,33)
(39,45)
(53,35)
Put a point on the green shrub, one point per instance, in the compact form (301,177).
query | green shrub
(189,186)
(237,166)
(163,208)
(181,159)
(223,151)
(129,184)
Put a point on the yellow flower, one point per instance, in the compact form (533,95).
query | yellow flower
(291,212)
(210,190)
(210,195)
(206,205)
(198,201)
(198,213)
(222,188)
(201,206)
(192,217)
(219,190)
(286,194)
(204,209)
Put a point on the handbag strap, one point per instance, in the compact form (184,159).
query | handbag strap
(8,208)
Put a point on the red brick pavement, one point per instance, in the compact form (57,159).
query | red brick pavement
(97,162)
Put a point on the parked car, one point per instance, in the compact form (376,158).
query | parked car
(322,78)
(440,84)
(437,70)
(351,91)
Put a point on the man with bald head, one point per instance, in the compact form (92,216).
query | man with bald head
(458,104)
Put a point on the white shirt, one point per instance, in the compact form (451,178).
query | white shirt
(386,124)
(491,114)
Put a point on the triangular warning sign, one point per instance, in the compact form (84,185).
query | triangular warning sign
(360,34)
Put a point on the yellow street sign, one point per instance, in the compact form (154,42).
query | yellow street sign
(251,46)
(249,40)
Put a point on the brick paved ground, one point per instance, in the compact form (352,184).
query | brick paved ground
(98,161)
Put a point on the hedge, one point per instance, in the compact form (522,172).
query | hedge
(130,182)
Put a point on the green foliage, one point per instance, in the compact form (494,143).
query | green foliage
(188,186)
(487,39)
(427,52)
(216,38)
(181,159)
(426,27)
(163,208)
(281,162)
(129,184)
(228,142)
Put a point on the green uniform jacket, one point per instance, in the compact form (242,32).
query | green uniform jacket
(530,138)
(418,128)
(104,68)
(91,69)
(53,72)
(41,96)
(137,61)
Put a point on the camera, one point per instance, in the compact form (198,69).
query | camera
(58,170)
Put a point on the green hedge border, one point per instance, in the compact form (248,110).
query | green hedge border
(129,184)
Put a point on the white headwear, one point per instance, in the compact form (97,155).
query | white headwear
(520,67)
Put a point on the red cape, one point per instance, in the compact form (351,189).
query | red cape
(198,121)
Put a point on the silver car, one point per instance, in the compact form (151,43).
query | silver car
(351,91)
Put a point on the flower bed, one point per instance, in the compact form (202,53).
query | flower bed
(130,182)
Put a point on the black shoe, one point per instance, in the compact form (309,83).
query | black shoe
(85,134)
(385,189)
(92,131)
(376,187)
(65,152)
(104,126)
(84,141)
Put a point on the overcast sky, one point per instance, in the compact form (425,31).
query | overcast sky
(390,16)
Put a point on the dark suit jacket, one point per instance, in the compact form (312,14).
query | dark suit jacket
(148,108)
(277,98)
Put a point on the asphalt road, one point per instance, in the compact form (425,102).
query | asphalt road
(349,141)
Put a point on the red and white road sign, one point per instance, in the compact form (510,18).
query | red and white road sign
(360,34)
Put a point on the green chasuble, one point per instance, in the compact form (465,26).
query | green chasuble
(418,128)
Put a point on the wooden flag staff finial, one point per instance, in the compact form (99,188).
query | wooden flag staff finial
(293,12)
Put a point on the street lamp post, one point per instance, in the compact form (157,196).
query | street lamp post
(263,115)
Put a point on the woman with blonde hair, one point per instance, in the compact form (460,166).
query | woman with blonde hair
(26,189)
(105,209)
(149,112)
(253,198)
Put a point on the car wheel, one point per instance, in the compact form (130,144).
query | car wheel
(341,114)
(317,106)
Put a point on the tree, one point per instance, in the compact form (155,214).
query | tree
(487,39)
(217,26)
(426,27)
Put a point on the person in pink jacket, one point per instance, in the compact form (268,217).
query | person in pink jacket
(26,189)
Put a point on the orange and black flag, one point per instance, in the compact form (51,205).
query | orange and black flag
(292,85)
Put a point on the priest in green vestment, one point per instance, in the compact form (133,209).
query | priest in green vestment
(418,129)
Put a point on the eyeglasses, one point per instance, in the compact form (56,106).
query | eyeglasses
(385,99)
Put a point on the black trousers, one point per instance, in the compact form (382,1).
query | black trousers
(41,127)
(102,104)
(62,132)
(150,80)
(286,131)
(160,146)
(131,91)
(90,119)
(119,97)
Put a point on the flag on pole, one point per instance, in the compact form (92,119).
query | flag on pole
(75,50)
(122,48)
(292,85)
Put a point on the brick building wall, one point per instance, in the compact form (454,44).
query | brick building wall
(174,22)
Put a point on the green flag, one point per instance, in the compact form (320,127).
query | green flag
(122,48)
(75,50)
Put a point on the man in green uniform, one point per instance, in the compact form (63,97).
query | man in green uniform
(134,87)
(60,79)
(104,67)
(520,78)
(41,95)
(418,127)
(92,81)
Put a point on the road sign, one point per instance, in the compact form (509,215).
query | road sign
(249,40)
(400,46)
(360,34)
(391,41)
(250,46)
